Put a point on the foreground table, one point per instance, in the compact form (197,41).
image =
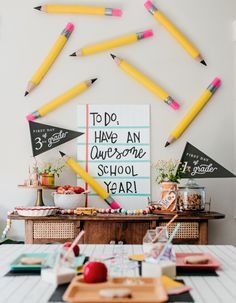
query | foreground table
(205,289)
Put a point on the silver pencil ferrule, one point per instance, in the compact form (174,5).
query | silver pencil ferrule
(140,35)
(36,114)
(109,200)
(212,88)
(66,33)
(108,11)
(169,100)
(152,9)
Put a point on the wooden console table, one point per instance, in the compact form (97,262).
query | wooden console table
(104,228)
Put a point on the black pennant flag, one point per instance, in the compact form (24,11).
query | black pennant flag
(196,164)
(45,137)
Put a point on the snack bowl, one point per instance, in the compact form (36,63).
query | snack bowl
(71,201)
(36,211)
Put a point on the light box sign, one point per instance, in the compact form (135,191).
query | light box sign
(196,164)
(116,152)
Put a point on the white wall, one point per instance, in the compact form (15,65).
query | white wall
(26,36)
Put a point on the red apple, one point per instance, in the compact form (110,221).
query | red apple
(76,248)
(60,190)
(78,190)
(95,272)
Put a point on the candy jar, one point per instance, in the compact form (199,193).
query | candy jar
(191,197)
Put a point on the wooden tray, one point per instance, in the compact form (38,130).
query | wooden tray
(151,290)
(212,264)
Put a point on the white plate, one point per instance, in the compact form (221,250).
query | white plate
(36,211)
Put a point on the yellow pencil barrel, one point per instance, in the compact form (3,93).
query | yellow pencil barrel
(173,30)
(52,55)
(78,89)
(144,80)
(116,42)
(74,9)
(50,106)
(196,108)
(77,168)
(186,44)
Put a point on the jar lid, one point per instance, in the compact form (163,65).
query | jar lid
(192,184)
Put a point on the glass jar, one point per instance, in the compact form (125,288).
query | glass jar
(191,196)
(168,196)
(153,242)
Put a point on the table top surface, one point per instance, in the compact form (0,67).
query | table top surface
(119,217)
(30,289)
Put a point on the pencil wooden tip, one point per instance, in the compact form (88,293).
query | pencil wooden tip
(73,55)
(203,62)
(61,153)
(113,56)
(26,93)
(167,143)
(93,80)
(38,8)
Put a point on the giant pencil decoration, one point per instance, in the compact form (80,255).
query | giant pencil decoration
(50,106)
(79,9)
(194,110)
(145,81)
(49,60)
(175,32)
(113,43)
(90,180)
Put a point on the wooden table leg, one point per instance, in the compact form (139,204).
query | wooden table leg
(29,239)
(203,232)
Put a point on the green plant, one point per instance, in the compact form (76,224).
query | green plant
(54,168)
(167,170)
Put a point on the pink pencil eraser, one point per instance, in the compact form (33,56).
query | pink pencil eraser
(175,105)
(70,27)
(117,12)
(115,205)
(216,82)
(30,117)
(148,33)
(148,5)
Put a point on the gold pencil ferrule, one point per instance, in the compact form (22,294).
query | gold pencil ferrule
(153,9)
(66,33)
(212,88)
(108,11)
(169,100)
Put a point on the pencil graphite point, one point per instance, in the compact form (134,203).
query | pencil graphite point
(61,153)
(38,8)
(113,56)
(73,55)
(167,143)
(26,93)
(203,62)
(93,80)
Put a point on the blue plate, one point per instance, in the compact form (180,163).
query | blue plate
(16,264)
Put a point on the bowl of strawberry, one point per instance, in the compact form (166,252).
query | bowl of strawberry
(69,197)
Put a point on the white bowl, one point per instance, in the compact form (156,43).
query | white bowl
(36,211)
(69,201)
